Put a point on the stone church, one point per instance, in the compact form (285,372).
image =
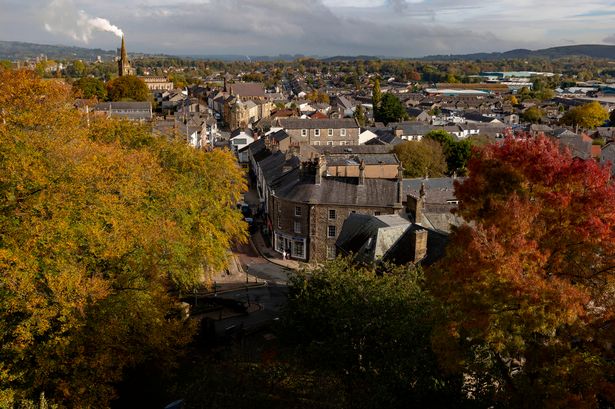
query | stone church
(123,65)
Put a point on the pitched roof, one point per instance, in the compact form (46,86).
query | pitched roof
(297,187)
(247,89)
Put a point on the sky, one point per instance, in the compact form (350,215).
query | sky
(393,28)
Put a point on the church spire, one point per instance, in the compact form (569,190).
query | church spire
(123,54)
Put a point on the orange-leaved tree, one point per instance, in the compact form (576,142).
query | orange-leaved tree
(528,285)
(97,224)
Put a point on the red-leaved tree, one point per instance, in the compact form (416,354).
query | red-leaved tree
(528,285)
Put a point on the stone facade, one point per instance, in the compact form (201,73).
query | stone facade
(321,132)
(311,230)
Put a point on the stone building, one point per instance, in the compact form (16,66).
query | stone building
(158,83)
(310,192)
(321,132)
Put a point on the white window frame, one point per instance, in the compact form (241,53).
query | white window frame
(304,132)
(330,132)
(294,251)
(343,132)
(332,211)
(298,211)
(329,227)
(297,226)
(316,132)
(316,143)
(331,252)
(329,143)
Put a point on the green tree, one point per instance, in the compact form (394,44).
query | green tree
(391,109)
(376,95)
(587,116)
(360,116)
(90,87)
(421,158)
(127,88)
(457,152)
(532,115)
(371,329)
(98,224)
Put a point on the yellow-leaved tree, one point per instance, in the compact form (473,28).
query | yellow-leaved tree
(97,225)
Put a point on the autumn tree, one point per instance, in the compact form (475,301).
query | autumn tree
(97,225)
(528,287)
(421,158)
(532,115)
(587,116)
(317,96)
(127,88)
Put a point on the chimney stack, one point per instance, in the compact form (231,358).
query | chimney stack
(420,244)
(362,173)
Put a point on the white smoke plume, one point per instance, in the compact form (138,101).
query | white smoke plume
(62,17)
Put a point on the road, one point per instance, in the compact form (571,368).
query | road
(259,267)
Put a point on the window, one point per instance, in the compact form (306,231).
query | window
(316,143)
(331,230)
(332,214)
(304,132)
(343,132)
(376,213)
(298,249)
(331,252)
(316,132)
(330,132)
(297,227)
(240,141)
(297,210)
(329,143)
(342,143)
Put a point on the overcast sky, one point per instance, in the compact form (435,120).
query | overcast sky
(404,28)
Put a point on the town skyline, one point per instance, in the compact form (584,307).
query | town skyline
(391,28)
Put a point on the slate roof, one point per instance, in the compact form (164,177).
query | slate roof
(355,149)
(239,131)
(437,190)
(390,236)
(300,186)
(350,159)
(247,89)
(127,105)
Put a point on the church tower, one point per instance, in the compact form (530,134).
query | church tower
(123,65)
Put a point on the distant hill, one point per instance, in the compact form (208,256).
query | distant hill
(15,50)
(587,50)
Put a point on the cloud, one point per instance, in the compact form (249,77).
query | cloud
(610,39)
(404,28)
